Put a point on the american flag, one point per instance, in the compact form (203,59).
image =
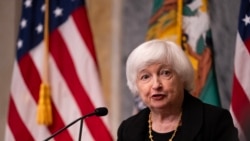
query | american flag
(240,105)
(72,70)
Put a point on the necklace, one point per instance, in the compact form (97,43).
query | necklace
(150,128)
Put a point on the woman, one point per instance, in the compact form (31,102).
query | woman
(161,74)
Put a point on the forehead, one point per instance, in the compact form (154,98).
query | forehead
(153,66)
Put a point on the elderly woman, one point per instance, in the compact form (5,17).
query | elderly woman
(161,74)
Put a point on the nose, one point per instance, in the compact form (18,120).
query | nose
(157,83)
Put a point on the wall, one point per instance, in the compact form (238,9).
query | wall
(8,29)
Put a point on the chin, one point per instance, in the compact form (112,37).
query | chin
(158,106)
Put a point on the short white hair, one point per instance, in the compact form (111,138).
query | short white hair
(159,51)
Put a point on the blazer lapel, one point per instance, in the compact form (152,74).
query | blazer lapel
(139,130)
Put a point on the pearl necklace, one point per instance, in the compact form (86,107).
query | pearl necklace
(150,128)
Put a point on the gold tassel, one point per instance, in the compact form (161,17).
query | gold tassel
(44,112)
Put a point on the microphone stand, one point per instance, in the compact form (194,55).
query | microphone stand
(80,132)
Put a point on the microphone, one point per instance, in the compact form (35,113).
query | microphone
(101,111)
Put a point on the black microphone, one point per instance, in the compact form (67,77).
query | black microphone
(101,111)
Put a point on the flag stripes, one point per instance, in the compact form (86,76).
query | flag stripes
(62,97)
(22,131)
(75,50)
(59,101)
(240,107)
(33,81)
(240,103)
(20,95)
(84,29)
(63,58)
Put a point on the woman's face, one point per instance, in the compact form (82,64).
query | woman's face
(159,86)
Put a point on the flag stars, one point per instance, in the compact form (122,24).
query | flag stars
(43,8)
(39,28)
(28,3)
(246,20)
(19,44)
(58,12)
(23,23)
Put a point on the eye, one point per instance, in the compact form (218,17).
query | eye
(144,77)
(166,73)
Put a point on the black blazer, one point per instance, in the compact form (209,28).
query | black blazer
(200,122)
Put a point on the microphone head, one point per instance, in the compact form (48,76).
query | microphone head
(102,111)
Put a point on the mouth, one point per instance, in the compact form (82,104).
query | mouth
(158,96)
